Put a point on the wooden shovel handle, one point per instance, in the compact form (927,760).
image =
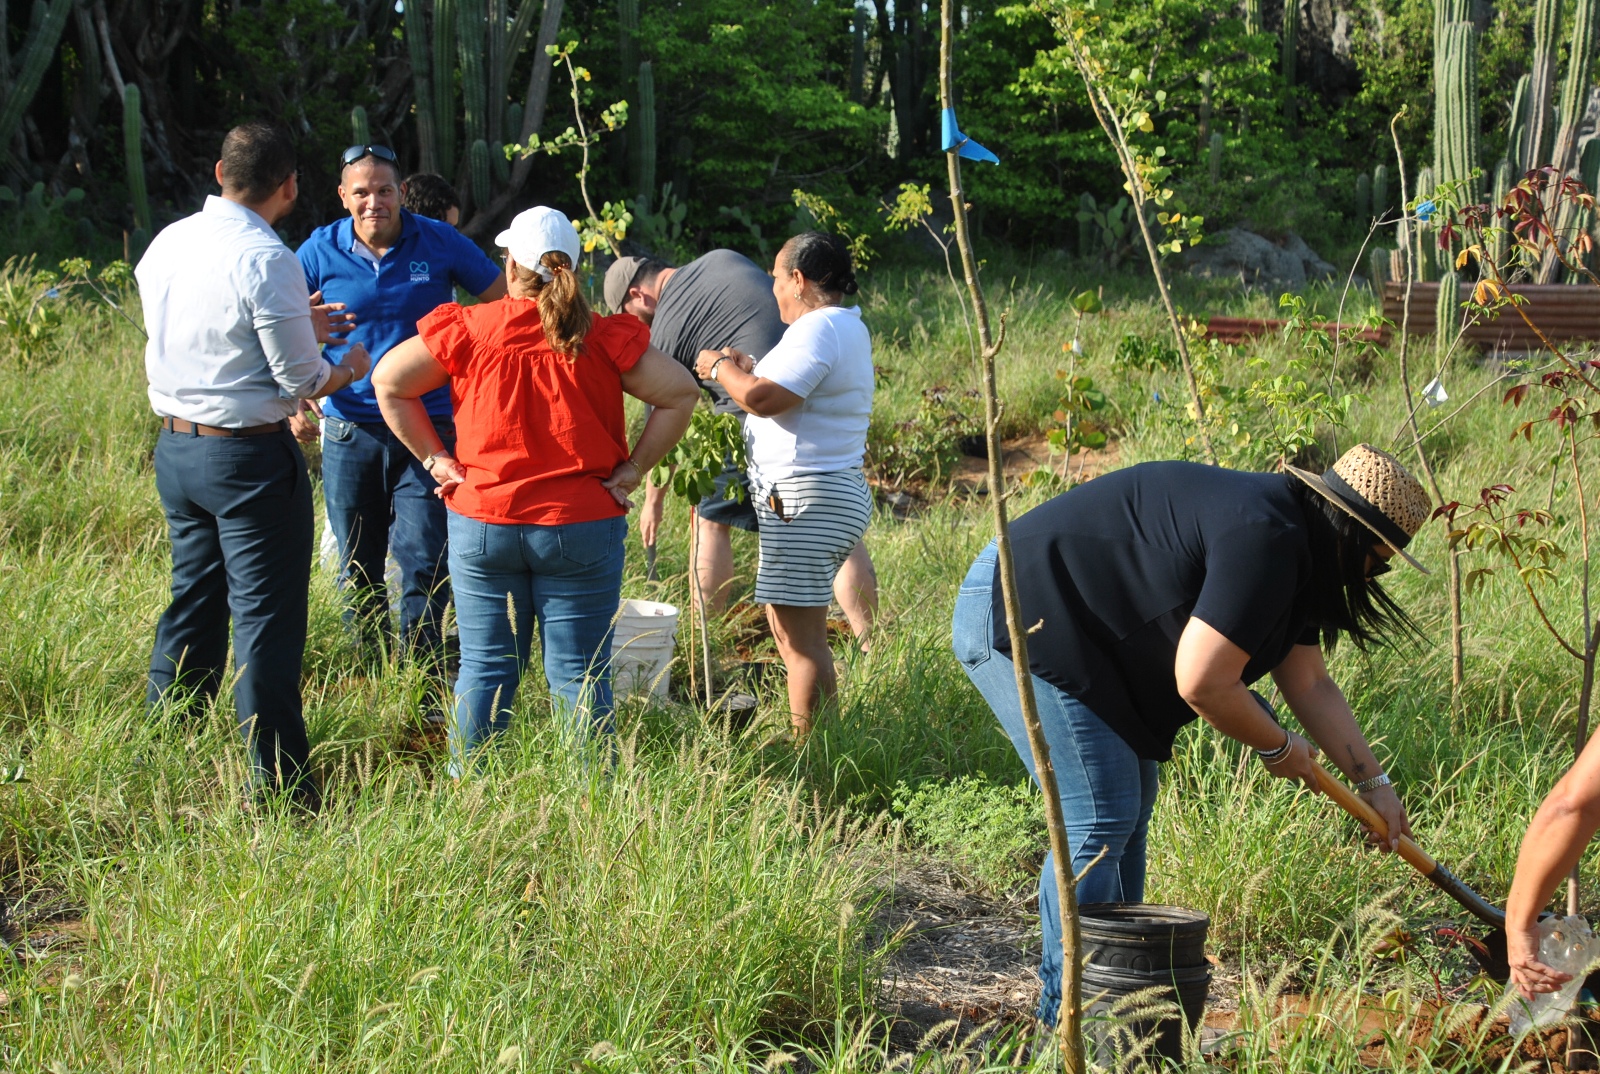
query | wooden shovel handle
(1348,801)
(1419,859)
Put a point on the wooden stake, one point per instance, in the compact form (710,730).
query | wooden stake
(1070,1017)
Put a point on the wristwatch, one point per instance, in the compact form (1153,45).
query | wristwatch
(427,464)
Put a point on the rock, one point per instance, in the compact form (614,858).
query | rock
(1258,262)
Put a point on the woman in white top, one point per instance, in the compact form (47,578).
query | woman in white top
(806,435)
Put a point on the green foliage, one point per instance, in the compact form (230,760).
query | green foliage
(30,313)
(714,443)
(29,68)
(1295,408)
(993,833)
(1110,233)
(643,145)
(1145,354)
(821,214)
(927,446)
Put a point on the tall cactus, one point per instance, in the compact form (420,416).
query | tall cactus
(1363,196)
(421,85)
(1380,191)
(627,36)
(478,171)
(133,150)
(1378,269)
(1536,148)
(1500,242)
(444,85)
(1517,128)
(495,46)
(1288,52)
(360,133)
(1446,313)
(1455,111)
(1574,102)
(40,50)
(644,141)
(1253,23)
(470,24)
(1214,157)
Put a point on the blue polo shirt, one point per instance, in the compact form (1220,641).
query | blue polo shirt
(418,274)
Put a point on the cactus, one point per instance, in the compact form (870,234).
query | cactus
(38,53)
(1574,100)
(1455,113)
(444,85)
(1446,313)
(1214,157)
(470,23)
(1086,232)
(478,169)
(360,133)
(1517,128)
(644,149)
(1535,148)
(1253,23)
(1500,241)
(133,149)
(421,85)
(1378,269)
(499,166)
(514,122)
(1380,191)
(1363,195)
(627,36)
(1288,51)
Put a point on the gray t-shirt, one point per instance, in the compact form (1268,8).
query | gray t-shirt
(720,300)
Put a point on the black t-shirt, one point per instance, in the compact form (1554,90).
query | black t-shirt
(1113,569)
(720,300)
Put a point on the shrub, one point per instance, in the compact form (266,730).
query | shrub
(993,833)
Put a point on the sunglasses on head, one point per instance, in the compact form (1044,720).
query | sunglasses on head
(358,152)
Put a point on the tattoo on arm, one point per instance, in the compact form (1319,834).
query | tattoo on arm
(1360,768)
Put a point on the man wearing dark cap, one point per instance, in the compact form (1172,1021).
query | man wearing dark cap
(232,352)
(722,299)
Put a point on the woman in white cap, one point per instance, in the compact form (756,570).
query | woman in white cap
(1157,594)
(538,482)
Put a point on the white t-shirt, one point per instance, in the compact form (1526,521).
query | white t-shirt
(825,357)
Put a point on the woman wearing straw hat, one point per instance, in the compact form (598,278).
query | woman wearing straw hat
(1158,594)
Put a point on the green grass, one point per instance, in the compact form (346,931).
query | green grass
(710,900)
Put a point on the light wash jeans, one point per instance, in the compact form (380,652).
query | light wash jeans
(1107,790)
(506,578)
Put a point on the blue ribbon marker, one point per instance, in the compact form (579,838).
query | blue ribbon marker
(964,146)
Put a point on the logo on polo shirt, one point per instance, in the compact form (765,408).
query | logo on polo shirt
(419,272)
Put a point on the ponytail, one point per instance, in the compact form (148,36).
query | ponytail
(563,310)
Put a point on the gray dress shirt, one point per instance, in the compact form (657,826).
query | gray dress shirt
(231,342)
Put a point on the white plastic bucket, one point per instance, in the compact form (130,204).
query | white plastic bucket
(641,648)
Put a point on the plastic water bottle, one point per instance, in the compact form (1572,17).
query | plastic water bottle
(1566,944)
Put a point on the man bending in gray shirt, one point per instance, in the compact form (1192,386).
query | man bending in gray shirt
(721,300)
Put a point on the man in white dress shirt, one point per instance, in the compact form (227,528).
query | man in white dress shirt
(232,351)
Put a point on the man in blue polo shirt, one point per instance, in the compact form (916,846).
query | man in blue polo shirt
(389,268)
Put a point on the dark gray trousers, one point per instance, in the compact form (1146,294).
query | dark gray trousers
(239,515)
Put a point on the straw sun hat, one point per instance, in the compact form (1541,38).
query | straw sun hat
(1373,488)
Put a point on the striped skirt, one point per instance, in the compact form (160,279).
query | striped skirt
(808,526)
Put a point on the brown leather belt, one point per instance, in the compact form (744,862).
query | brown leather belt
(189,428)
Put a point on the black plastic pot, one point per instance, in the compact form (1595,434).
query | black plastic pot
(1112,1035)
(1143,937)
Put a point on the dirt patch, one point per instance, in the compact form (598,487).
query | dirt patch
(958,956)
(1026,455)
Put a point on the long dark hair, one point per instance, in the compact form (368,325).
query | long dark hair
(1344,600)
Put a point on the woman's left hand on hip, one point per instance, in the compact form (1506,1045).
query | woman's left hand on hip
(623,480)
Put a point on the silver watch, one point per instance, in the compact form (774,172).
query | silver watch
(1379,780)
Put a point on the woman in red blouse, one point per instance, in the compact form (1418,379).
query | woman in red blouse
(539,480)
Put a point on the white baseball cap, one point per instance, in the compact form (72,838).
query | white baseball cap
(537,231)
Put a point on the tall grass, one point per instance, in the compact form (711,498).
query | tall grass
(708,902)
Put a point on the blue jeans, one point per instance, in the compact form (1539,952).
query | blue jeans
(568,579)
(380,498)
(1107,790)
